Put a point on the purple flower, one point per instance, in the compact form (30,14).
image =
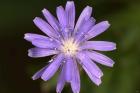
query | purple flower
(70,44)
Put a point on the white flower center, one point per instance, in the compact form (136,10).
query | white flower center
(69,47)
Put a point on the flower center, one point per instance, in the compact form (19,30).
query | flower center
(69,47)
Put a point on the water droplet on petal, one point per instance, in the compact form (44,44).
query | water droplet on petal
(51,60)
(82,33)
(61,29)
(64,61)
(51,39)
(55,48)
(66,30)
(59,36)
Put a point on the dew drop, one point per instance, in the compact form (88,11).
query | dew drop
(82,33)
(59,36)
(55,48)
(61,29)
(51,60)
(51,39)
(66,30)
(64,61)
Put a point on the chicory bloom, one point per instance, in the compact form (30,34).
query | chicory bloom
(71,45)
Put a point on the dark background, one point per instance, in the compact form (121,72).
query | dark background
(16,68)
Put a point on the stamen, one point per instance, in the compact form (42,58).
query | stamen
(69,47)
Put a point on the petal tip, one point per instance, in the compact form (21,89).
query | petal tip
(99,83)
(43,78)
(44,10)
(59,7)
(115,46)
(70,2)
(34,20)
(89,8)
(112,65)
(100,75)
(25,36)
(58,92)
(107,23)
(33,78)
(30,54)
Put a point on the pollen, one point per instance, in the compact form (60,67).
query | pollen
(69,47)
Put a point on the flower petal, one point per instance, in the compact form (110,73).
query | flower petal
(86,62)
(99,45)
(85,15)
(68,69)
(94,79)
(44,43)
(61,14)
(40,52)
(70,14)
(84,28)
(75,83)
(97,30)
(41,41)
(100,58)
(39,73)
(50,71)
(87,25)
(61,81)
(31,37)
(45,27)
(51,19)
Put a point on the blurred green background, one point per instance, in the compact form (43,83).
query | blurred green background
(16,68)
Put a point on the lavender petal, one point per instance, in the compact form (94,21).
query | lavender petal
(44,43)
(68,66)
(87,63)
(100,58)
(61,14)
(41,41)
(94,79)
(51,19)
(45,27)
(39,73)
(85,27)
(85,15)
(40,52)
(30,37)
(99,45)
(61,81)
(75,83)
(97,30)
(70,14)
(52,68)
